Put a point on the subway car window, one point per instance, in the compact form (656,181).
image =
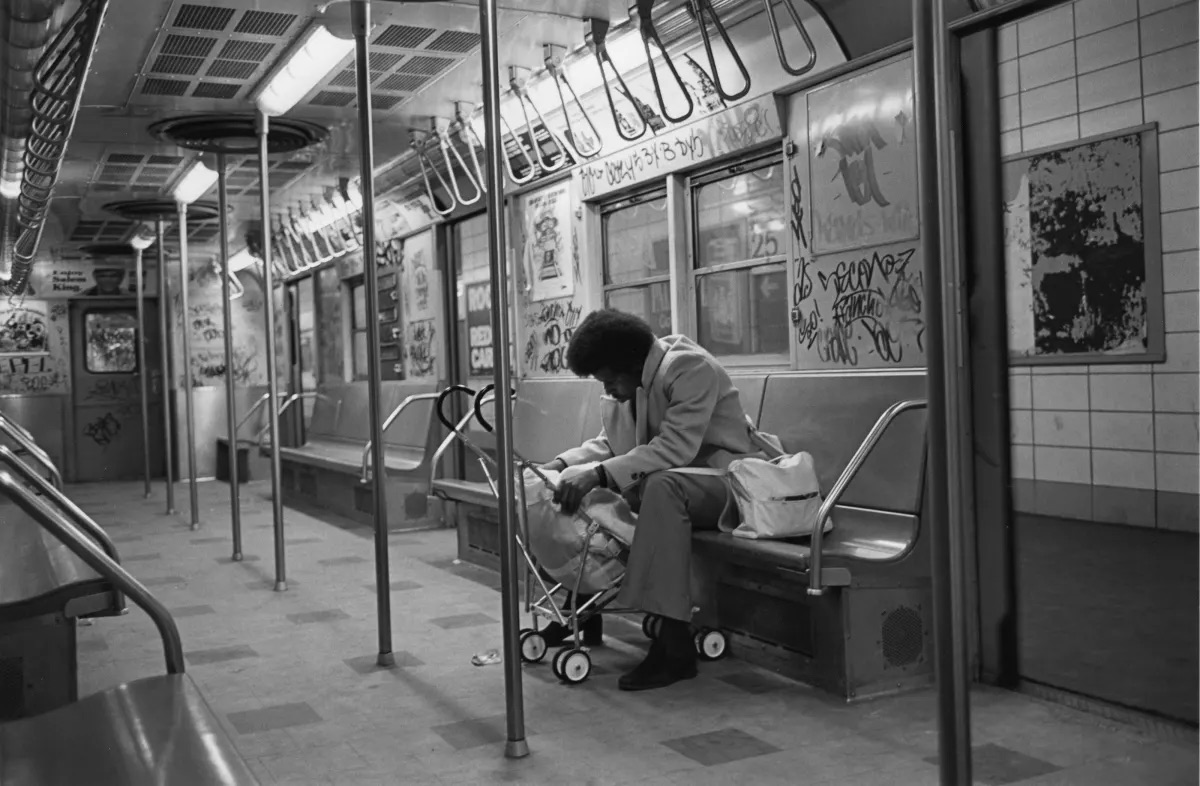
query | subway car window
(111,340)
(358,328)
(740,273)
(637,259)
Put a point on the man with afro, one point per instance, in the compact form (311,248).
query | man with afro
(667,404)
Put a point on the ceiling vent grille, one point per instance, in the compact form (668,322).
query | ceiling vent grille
(235,49)
(454,41)
(266,23)
(231,69)
(174,64)
(190,45)
(404,83)
(426,65)
(97,231)
(332,98)
(200,17)
(164,87)
(219,90)
(403,36)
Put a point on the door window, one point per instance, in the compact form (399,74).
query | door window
(110,339)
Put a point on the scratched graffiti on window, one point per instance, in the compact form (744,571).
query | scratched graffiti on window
(110,339)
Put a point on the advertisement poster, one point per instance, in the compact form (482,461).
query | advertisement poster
(546,251)
(85,279)
(863,160)
(34,347)
(417,278)
(24,329)
(479,329)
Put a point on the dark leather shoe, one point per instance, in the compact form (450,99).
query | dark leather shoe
(658,670)
(592,632)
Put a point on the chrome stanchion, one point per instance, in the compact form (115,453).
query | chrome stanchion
(168,377)
(360,20)
(235,499)
(930,91)
(143,372)
(516,746)
(263,124)
(189,414)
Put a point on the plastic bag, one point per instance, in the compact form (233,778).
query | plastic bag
(558,541)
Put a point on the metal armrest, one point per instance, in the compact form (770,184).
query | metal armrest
(387,423)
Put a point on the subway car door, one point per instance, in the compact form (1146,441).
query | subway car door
(106,391)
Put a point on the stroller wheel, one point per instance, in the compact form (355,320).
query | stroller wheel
(574,666)
(556,662)
(651,625)
(711,644)
(533,646)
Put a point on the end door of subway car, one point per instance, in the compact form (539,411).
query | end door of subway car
(105,438)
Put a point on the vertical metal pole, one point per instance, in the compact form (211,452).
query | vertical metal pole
(361,23)
(189,414)
(954,729)
(272,371)
(235,500)
(517,746)
(143,371)
(168,376)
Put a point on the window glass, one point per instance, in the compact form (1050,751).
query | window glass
(358,311)
(635,242)
(358,329)
(306,319)
(740,217)
(651,302)
(744,312)
(111,342)
(360,354)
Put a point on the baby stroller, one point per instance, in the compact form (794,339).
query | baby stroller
(564,555)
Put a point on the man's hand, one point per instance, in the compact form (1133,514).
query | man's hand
(574,484)
(557,465)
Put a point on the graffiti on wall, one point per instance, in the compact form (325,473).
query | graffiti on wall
(45,371)
(24,331)
(548,329)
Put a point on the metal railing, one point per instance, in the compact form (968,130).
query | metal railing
(815,586)
(58,526)
(387,423)
(258,405)
(20,436)
(453,435)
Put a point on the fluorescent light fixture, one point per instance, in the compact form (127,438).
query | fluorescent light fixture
(241,260)
(308,63)
(10,189)
(194,184)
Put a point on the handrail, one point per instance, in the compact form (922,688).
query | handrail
(449,440)
(462,127)
(526,101)
(450,154)
(553,59)
(698,8)
(418,143)
(775,33)
(596,37)
(387,423)
(650,33)
(98,561)
(257,406)
(292,399)
(843,481)
(508,167)
(68,507)
(34,449)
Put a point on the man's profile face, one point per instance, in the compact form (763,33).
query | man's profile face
(108,281)
(620,385)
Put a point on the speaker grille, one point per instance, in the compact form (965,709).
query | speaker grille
(903,636)
(12,687)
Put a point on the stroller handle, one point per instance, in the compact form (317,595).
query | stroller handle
(441,400)
(479,405)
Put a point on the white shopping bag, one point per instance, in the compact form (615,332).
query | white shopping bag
(779,498)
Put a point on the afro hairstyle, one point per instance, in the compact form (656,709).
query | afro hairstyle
(610,339)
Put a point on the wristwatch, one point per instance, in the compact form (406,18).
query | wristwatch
(600,473)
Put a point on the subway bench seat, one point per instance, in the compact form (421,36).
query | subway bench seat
(870,632)
(157,730)
(327,470)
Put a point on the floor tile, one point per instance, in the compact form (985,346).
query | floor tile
(325,615)
(302,541)
(220,654)
(191,611)
(754,682)
(209,539)
(995,765)
(280,716)
(127,539)
(398,586)
(720,747)
(232,561)
(463,621)
(467,734)
(91,645)
(269,584)
(368,664)
(350,560)
(140,557)
(164,581)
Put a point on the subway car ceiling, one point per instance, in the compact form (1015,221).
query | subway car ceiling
(155,60)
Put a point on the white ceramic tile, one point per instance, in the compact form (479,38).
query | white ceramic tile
(1180,312)
(1006,43)
(1010,80)
(1045,29)
(1042,370)
(1060,391)
(1179,189)
(1181,269)
(1048,103)
(1010,113)
(1123,468)
(1061,428)
(1094,15)
(1172,109)
(1020,394)
(1065,465)
(1123,430)
(1010,142)
(1022,461)
(1169,29)
(1183,353)
(1177,392)
(1108,86)
(1056,132)
(1110,47)
(1120,368)
(1110,118)
(1021,426)
(1170,69)
(1177,472)
(1047,66)
(1178,149)
(1148,7)
(1179,230)
(1121,393)
(1174,433)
